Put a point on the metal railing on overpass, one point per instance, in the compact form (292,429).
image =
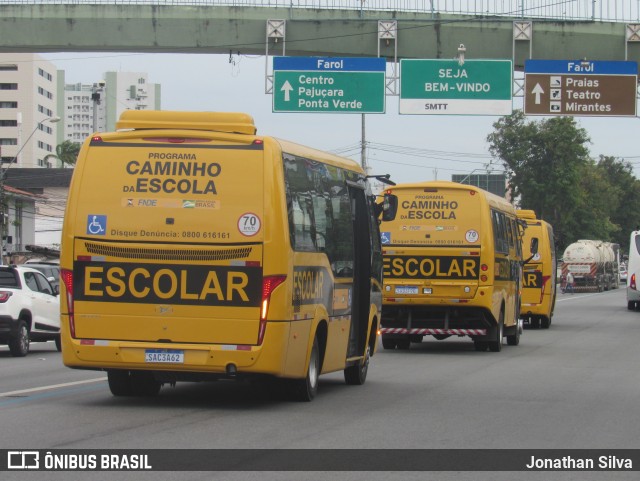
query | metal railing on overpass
(564,10)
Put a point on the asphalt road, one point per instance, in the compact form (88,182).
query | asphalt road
(573,386)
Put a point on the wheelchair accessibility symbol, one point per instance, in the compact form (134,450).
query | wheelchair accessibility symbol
(97,224)
(385,237)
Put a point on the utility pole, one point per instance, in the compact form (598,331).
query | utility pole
(363,148)
(96,96)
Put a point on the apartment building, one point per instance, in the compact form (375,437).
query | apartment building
(128,91)
(28,85)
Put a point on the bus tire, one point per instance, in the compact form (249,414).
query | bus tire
(304,390)
(535,322)
(19,344)
(403,344)
(545,322)
(58,343)
(514,339)
(495,345)
(144,384)
(356,375)
(480,346)
(119,382)
(388,343)
(631,305)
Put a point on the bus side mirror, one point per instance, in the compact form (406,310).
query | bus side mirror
(389,207)
(533,248)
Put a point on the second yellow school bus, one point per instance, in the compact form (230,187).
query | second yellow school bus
(194,249)
(452,265)
(539,276)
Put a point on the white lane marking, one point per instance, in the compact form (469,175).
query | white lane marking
(572,297)
(52,386)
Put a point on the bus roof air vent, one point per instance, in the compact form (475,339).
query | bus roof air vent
(231,122)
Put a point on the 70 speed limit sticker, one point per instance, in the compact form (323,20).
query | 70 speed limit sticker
(249,224)
(471,236)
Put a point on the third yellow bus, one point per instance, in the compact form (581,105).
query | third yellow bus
(539,277)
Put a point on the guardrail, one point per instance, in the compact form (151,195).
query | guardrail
(565,10)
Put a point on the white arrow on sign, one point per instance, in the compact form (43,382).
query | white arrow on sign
(286,88)
(537,90)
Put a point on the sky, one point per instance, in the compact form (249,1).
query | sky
(408,147)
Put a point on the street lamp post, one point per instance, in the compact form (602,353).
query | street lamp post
(4,209)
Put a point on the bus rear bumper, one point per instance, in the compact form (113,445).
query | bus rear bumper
(432,332)
(223,359)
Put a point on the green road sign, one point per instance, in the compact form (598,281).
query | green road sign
(314,84)
(444,87)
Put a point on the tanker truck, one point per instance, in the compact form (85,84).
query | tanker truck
(594,265)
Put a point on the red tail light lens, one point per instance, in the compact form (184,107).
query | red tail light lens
(4,296)
(269,284)
(67,279)
(632,284)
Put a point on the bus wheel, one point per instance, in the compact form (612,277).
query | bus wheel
(119,383)
(403,344)
(514,339)
(144,384)
(480,346)
(545,322)
(631,305)
(356,375)
(388,343)
(58,343)
(496,344)
(305,390)
(535,322)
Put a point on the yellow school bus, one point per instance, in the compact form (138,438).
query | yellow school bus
(452,265)
(539,276)
(194,249)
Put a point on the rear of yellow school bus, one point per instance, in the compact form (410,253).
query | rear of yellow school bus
(177,262)
(451,265)
(539,276)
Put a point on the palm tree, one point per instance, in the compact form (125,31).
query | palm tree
(66,152)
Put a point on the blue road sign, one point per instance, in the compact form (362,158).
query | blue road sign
(582,67)
(324,64)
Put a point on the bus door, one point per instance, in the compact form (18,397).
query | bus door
(361,293)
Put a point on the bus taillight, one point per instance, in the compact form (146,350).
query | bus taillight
(67,279)
(269,283)
(632,283)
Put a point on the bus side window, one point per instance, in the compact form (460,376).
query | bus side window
(517,237)
(509,229)
(320,212)
(501,242)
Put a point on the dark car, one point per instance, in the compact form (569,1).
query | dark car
(50,270)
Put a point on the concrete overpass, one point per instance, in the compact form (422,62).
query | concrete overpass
(65,27)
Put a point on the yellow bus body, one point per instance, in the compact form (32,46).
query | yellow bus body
(452,265)
(539,273)
(194,249)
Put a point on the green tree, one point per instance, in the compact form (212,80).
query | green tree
(624,198)
(66,152)
(546,162)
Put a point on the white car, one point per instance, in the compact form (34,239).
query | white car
(623,274)
(29,309)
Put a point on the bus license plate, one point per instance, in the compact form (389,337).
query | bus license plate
(166,356)
(406,290)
